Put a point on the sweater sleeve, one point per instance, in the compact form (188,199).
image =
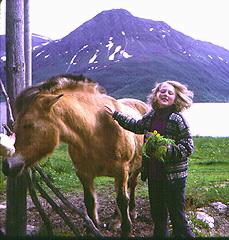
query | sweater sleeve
(184,142)
(131,124)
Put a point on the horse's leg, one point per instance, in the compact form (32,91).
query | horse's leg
(132,183)
(121,184)
(90,200)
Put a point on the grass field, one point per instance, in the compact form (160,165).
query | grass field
(208,178)
(207,182)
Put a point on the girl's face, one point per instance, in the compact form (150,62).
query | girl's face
(166,95)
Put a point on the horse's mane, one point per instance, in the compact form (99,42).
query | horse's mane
(50,86)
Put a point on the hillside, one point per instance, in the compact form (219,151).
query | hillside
(37,42)
(127,55)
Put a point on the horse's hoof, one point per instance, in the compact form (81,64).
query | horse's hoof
(133,215)
(113,225)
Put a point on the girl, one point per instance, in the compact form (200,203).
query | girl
(166,179)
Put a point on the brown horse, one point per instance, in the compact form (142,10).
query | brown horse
(71,109)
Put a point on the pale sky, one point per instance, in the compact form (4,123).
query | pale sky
(205,20)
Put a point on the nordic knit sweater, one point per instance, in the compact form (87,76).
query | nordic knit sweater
(176,162)
(156,168)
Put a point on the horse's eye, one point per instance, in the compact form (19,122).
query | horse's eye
(26,126)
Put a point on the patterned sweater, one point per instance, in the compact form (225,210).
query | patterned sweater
(176,162)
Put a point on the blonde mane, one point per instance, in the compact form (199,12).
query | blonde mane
(53,85)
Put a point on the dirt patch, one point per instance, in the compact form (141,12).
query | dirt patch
(142,225)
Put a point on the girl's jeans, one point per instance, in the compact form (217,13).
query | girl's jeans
(167,198)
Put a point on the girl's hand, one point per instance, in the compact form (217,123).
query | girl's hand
(109,109)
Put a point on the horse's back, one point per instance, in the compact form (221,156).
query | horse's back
(136,105)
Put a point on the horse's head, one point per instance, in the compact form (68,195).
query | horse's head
(36,134)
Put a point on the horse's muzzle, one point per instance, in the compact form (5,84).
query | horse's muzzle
(13,166)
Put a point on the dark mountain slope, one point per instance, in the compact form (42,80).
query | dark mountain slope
(127,55)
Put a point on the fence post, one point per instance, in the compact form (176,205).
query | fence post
(15,79)
(16,216)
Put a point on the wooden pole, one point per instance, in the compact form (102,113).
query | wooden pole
(15,60)
(27,44)
(16,215)
(16,218)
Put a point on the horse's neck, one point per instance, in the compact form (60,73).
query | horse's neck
(75,118)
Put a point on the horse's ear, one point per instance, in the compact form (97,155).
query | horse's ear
(49,101)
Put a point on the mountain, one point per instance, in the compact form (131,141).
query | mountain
(37,42)
(127,55)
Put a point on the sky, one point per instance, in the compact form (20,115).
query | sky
(205,20)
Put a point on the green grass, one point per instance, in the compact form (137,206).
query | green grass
(208,178)
(207,182)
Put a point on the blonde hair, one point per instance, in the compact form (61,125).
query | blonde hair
(183,98)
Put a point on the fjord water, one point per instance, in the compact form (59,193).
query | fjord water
(205,119)
(208,119)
